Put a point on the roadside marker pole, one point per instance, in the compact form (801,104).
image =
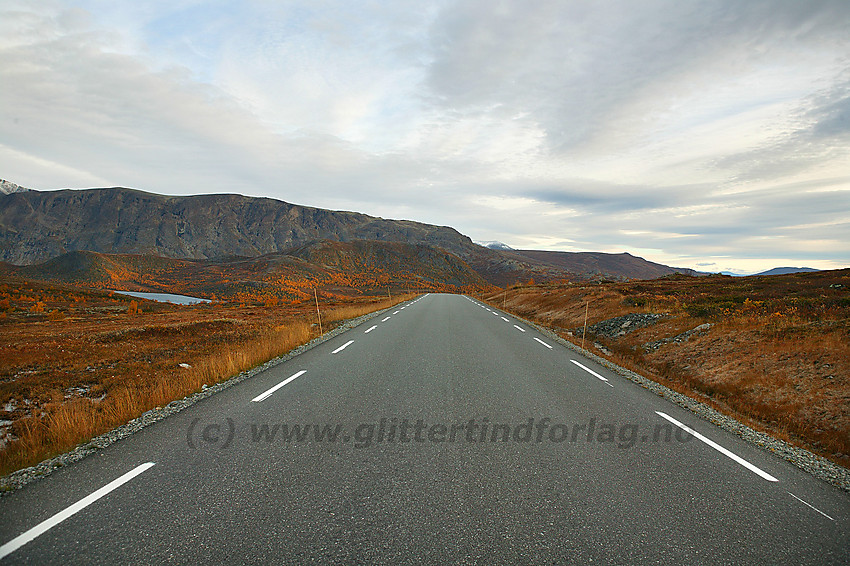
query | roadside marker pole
(584,332)
(318,314)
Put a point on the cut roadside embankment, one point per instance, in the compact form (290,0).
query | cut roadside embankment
(129,371)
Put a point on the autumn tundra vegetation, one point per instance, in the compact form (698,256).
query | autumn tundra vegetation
(773,351)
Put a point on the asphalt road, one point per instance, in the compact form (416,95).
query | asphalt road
(464,436)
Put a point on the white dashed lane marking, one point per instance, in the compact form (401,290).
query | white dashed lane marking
(48,524)
(591,372)
(343,347)
(756,470)
(265,395)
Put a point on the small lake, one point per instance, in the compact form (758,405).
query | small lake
(165,297)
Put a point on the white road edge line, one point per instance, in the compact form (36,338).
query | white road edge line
(343,347)
(812,506)
(756,470)
(542,342)
(48,524)
(591,372)
(371,329)
(386,319)
(521,329)
(265,395)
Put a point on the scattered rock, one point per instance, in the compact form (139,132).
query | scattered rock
(684,336)
(602,348)
(77,391)
(185,366)
(6,435)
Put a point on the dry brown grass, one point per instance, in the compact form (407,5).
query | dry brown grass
(65,424)
(127,365)
(777,356)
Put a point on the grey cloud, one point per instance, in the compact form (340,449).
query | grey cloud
(832,117)
(600,197)
(572,66)
(822,134)
(750,224)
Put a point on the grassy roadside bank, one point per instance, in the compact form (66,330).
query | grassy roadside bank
(772,352)
(108,359)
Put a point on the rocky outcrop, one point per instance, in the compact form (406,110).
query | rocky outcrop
(621,325)
(614,328)
(683,337)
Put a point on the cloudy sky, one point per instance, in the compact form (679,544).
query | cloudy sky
(711,134)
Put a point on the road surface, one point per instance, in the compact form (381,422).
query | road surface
(443,431)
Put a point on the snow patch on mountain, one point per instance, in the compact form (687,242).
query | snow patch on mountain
(495,245)
(8,187)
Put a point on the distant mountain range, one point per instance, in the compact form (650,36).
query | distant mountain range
(774,271)
(787,270)
(38,226)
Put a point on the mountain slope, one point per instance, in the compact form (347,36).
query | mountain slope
(621,265)
(343,267)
